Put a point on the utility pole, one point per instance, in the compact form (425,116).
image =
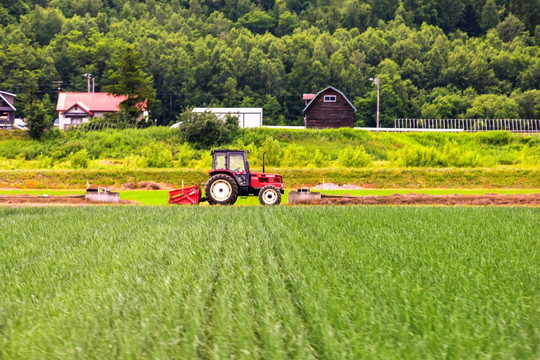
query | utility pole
(58,84)
(88,77)
(377,81)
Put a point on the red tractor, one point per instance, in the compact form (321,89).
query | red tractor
(230,177)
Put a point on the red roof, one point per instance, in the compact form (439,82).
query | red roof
(82,106)
(309,96)
(89,101)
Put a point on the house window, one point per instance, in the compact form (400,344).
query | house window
(330,98)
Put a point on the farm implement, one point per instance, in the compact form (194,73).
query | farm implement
(230,178)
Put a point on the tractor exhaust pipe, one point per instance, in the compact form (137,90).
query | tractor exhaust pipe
(263,161)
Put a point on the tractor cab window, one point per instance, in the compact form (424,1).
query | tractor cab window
(236,163)
(220,162)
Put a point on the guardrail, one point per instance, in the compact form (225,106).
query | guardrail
(470,125)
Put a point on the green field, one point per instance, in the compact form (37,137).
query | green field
(279,282)
(161,197)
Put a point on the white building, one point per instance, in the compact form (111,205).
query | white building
(247,117)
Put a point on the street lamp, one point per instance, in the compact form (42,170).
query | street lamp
(377,81)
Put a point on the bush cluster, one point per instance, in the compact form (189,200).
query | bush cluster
(165,148)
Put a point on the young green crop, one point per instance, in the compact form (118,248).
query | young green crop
(269,282)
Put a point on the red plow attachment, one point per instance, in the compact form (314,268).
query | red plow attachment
(186,196)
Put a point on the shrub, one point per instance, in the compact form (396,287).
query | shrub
(450,156)
(204,130)
(495,138)
(39,119)
(418,156)
(295,156)
(45,162)
(206,160)
(319,159)
(134,161)
(156,156)
(453,155)
(273,151)
(354,157)
(530,155)
(185,155)
(80,159)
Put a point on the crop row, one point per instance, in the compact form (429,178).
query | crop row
(285,282)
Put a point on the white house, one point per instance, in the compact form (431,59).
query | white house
(247,117)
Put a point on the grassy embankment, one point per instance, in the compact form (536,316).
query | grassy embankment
(430,160)
(277,283)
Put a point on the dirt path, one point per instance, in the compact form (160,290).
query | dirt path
(66,200)
(395,199)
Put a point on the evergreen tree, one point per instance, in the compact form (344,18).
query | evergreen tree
(39,120)
(130,80)
(469,22)
(490,16)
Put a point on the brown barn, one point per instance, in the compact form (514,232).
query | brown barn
(329,108)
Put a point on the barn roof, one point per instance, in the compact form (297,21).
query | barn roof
(92,101)
(323,90)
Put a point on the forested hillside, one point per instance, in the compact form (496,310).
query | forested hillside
(435,58)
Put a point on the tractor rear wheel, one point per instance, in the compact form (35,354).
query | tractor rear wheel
(221,189)
(270,195)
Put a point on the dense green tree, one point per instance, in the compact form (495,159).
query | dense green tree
(470,21)
(257,21)
(5,17)
(232,52)
(287,23)
(39,118)
(447,104)
(510,28)
(204,130)
(528,11)
(15,8)
(490,15)
(131,80)
(529,103)
(490,106)
(449,13)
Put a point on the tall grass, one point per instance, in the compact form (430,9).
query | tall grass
(298,282)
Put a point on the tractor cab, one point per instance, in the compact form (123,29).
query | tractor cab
(233,162)
(231,177)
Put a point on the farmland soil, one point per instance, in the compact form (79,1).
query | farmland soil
(146,185)
(69,200)
(423,199)
(395,199)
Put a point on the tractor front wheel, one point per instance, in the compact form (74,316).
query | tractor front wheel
(270,195)
(221,189)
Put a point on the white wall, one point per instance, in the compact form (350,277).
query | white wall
(247,117)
